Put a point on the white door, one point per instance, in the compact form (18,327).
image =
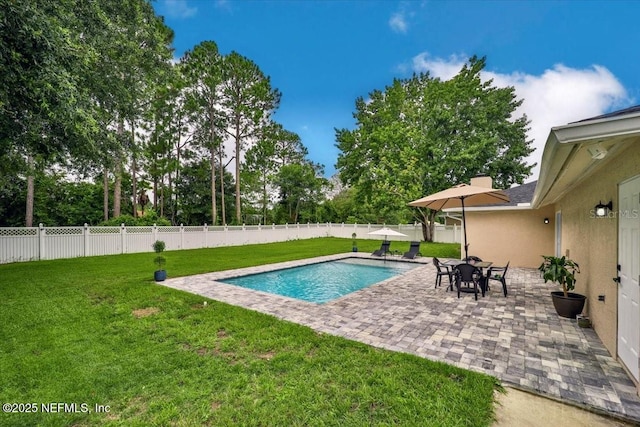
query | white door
(628,262)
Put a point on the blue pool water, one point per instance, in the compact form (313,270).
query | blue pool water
(324,281)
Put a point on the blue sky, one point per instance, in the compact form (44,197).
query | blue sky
(568,60)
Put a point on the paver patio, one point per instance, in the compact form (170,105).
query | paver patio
(519,339)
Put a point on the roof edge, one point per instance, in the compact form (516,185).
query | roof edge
(563,142)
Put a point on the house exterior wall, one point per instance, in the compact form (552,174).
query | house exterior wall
(593,242)
(516,236)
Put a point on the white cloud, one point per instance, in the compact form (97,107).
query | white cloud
(439,67)
(179,8)
(398,22)
(558,96)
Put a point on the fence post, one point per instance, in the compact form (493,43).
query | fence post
(41,244)
(154,232)
(123,231)
(226,233)
(181,236)
(86,239)
(206,235)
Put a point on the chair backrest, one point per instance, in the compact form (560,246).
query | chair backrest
(505,269)
(467,273)
(414,247)
(385,246)
(442,268)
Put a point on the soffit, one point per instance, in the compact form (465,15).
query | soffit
(566,160)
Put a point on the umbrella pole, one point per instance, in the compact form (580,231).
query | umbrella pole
(385,252)
(464,226)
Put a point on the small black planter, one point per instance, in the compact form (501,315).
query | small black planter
(569,306)
(160,275)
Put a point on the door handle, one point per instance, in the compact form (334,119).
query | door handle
(616,279)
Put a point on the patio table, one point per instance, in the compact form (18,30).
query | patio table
(479,264)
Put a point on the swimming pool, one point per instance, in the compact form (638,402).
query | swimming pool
(324,281)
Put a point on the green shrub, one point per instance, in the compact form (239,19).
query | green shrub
(149,218)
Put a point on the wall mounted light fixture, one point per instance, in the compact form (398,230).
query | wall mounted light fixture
(546,220)
(602,210)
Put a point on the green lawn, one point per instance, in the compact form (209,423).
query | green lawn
(100,331)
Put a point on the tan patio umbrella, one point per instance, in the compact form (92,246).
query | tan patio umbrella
(460,196)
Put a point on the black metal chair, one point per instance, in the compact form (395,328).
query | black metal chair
(384,248)
(466,276)
(499,274)
(414,250)
(443,270)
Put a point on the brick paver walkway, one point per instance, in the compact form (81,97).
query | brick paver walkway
(519,339)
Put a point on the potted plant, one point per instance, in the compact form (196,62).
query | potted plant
(563,271)
(354,244)
(160,274)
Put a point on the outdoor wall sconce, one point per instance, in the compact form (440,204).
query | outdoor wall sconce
(546,220)
(602,210)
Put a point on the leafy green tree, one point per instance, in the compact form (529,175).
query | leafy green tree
(261,168)
(422,135)
(57,201)
(249,100)
(276,148)
(195,195)
(203,71)
(149,218)
(288,147)
(301,188)
(144,53)
(45,110)
(12,191)
(169,141)
(73,72)
(345,207)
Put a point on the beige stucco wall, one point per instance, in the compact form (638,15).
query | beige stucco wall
(518,236)
(593,242)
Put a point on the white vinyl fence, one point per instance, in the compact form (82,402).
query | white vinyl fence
(40,243)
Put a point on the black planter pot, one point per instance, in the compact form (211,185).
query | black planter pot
(569,306)
(160,275)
